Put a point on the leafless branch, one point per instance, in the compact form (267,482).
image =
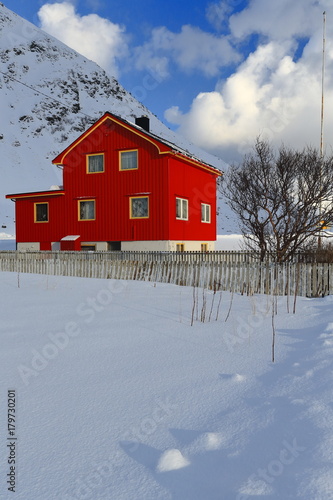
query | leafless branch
(283,199)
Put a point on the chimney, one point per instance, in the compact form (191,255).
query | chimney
(143,122)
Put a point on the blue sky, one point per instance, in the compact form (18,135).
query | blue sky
(219,72)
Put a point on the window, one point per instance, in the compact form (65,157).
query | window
(88,248)
(87,210)
(139,207)
(204,247)
(128,160)
(95,163)
(205,212)
(180,247)
(114,246)
(181,209)
(41,212)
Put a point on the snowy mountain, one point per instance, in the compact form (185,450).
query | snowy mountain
(50,94)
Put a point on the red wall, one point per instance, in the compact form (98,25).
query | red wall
(29,231)
(198,186)
(162,175)
(113,188)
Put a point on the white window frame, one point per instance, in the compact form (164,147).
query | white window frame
(205,213)
(181,208)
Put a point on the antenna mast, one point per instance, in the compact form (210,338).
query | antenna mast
(323,89)
(322,122)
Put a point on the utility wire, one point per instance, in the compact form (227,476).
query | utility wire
(42,93)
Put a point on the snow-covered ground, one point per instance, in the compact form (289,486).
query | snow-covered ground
(118,397)
(226,242)
(7,242)
(223,242)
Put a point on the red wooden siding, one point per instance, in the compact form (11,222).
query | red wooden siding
(113,188)
(29,231)
(197,186)
(161,175)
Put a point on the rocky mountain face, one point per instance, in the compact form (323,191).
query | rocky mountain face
(50,94)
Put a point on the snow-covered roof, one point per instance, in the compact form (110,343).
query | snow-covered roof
(172,145)
(157,140)
(70,237)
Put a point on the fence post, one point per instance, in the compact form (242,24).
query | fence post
(234,271)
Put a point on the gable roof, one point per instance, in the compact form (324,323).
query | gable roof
(163,146)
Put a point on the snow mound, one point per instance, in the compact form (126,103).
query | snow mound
(234,377)
(213,441)
(327,336)
(171,460)
(153,394)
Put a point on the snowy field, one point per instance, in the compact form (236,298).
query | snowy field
(118,397)
(7,242)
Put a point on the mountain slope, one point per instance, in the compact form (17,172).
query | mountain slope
(50,94)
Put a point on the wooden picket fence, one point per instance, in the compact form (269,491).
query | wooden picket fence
(310,280)
(142,256)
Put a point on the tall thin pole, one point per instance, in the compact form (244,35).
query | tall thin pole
(322,118)
(323,89)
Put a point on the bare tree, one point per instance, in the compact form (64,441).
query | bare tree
(283,199)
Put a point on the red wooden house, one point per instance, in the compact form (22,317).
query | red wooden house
(123,189)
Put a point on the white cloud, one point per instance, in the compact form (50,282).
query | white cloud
(218,14)
(278,19)
(191,49)
(94,4)
(272,93)
(269,95)
(96,38)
